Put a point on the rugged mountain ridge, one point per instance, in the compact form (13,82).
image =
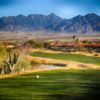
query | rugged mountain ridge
(36,22)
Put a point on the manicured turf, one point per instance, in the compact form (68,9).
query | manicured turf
(72,57)
(53,85)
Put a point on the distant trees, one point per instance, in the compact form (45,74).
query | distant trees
(75,39)
(87,42)
(33,44)
(48,46)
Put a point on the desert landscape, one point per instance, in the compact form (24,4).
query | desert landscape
(30,66)
(49,50)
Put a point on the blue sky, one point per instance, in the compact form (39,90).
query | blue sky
(63,8)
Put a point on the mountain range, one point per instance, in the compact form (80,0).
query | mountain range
(89,23)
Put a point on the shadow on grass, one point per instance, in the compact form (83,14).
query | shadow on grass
(93,94)
(60,97)
(88,96)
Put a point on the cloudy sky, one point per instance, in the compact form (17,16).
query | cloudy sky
(63,8)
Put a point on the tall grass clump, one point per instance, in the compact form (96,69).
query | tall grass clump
(2,56)
(22,65)
(2,52)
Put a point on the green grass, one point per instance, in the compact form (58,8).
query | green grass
(52,85)
(72,57)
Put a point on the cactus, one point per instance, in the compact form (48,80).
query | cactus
(15,58)
(12,60)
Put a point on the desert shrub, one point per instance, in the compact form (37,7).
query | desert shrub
(96,54)
(87,42)
(34,63)
(22,65)
(79,48)
(90,51)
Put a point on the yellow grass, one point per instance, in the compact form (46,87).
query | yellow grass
(55,52)
(27,72)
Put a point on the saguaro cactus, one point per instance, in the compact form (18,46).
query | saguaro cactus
(12,60)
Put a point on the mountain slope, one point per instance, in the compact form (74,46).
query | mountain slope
(29,23)
(34,22)
(81,24)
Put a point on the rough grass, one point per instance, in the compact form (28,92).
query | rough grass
(52,85)
(72,57)
(22,65)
